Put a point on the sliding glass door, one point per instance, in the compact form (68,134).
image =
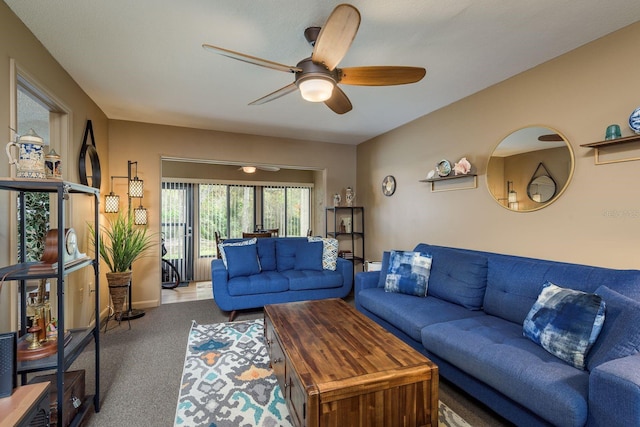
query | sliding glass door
(177,226)
(193,212)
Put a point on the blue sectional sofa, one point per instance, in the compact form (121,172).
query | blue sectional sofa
(257,272)
(471,325)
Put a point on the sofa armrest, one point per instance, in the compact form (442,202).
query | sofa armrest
(366,280)
(219,279)
(345,267)
(614,392)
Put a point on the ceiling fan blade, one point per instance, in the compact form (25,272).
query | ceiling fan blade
(275,95)
(339,102)
(336,36)
(381,75)
(550,138)
(251,59)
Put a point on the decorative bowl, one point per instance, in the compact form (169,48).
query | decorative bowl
(634,120)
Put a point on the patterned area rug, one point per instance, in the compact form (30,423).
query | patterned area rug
(227,381)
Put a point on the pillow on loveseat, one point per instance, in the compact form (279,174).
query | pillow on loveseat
(242,260)
(408,273)
(309,256)
(620,335)
(223,246)
(565,322)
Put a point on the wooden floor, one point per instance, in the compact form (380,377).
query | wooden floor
(194,292)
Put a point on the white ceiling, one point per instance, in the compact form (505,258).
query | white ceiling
(142,60)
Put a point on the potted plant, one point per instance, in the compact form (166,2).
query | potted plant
(121,244)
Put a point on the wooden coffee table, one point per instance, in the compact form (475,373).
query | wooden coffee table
(338,368)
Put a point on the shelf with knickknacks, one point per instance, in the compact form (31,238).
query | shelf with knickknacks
(444,172)
(614,139)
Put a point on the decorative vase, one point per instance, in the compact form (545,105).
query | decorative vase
(118,289)
(351,196)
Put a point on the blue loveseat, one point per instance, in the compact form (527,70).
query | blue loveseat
(471,325)
(275,270)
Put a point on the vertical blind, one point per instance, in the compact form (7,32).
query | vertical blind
(230,210)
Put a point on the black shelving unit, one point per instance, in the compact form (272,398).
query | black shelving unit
(22,272)
(355,238)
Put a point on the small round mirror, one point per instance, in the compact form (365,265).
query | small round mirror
(541,189)
(530,169)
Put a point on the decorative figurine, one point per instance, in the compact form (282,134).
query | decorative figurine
(53,165)
(336,200)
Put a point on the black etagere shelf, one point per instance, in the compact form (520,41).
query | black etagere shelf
(67,350)
(354,238)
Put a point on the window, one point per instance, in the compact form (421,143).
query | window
(227,209)
(287,209)
(33,114)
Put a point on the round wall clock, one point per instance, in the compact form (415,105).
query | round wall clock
(388,185)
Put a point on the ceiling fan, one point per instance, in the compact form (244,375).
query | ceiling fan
(550,138)
(317,77)
(254,168)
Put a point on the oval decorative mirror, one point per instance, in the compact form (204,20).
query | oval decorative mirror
(530,168)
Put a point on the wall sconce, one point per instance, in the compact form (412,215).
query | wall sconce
(136,186)
(111,201)
(140,215)
(512,196)
(136,190)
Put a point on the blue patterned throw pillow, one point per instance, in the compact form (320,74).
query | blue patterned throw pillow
(408,273)
(565,322)
(329,251)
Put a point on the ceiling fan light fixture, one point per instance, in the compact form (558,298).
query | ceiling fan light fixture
(249,169)
(316,89)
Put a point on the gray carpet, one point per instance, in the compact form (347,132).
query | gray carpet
(141,368)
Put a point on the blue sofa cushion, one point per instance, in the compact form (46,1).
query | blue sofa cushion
(286,254)
(267,254)
(408,273)
(329,251)
(458,277)
(313,279)
(223,246)
(514,283)
(308,256)
(264,283)
(495,352)
(620,335)
(410,313)
(242,260)
(384,267)
(565,322)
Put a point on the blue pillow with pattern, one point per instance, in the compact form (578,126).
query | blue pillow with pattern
(408,273)
(565,322)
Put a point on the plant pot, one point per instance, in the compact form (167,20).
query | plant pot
(118,289)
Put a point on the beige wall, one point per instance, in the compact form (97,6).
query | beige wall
(149,144)
(596,221)
(17,43)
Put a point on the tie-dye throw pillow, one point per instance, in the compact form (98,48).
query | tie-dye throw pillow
(565,322)
(408,273)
